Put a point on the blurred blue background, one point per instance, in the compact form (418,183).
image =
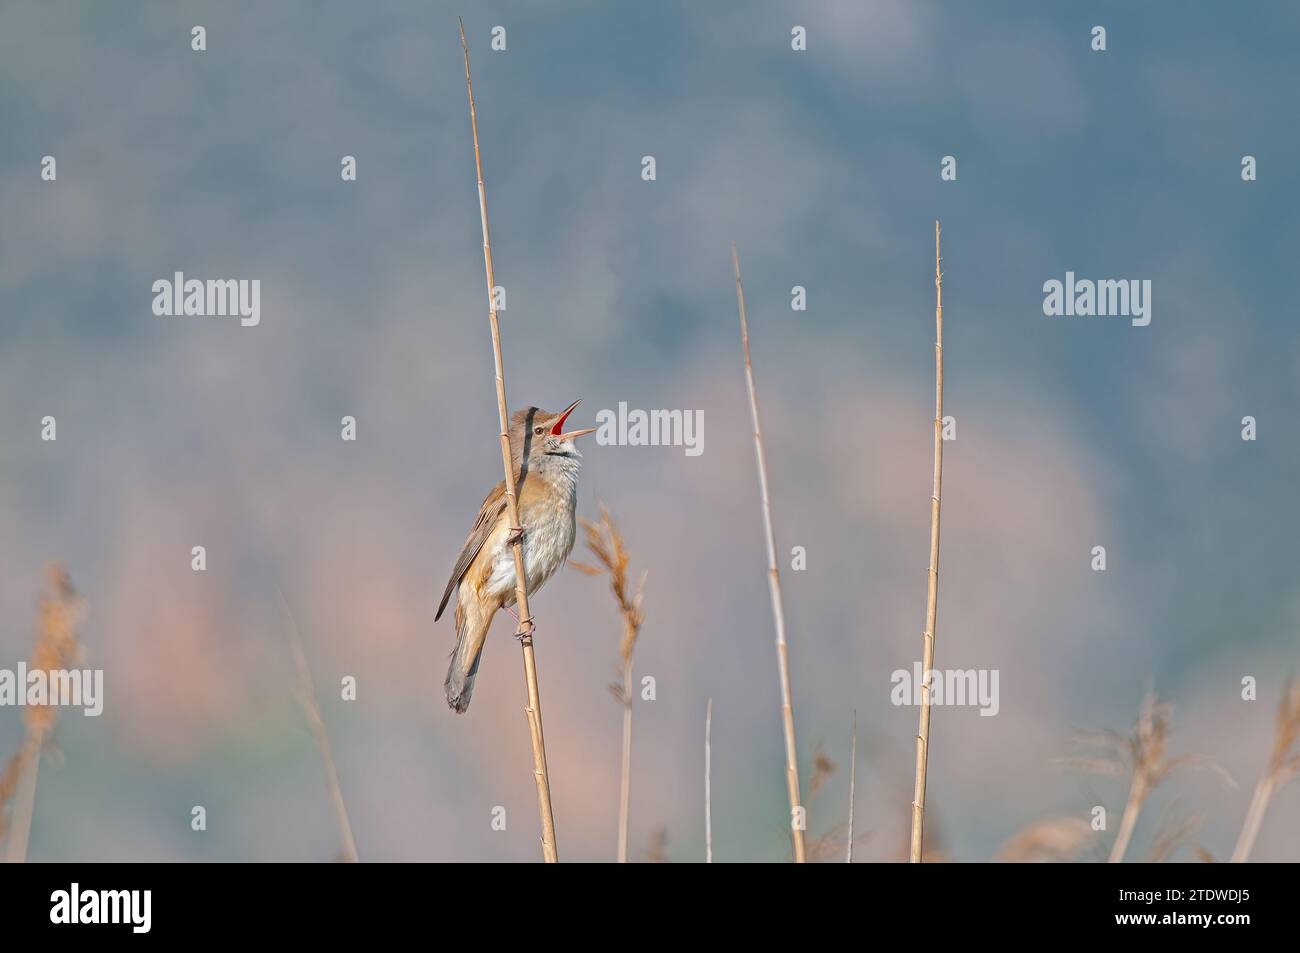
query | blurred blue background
(823,166)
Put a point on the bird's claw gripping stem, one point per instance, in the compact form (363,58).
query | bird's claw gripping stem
(526,626)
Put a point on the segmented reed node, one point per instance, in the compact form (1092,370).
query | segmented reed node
(774,585)
(533,709)
(932,584)
(1283,765)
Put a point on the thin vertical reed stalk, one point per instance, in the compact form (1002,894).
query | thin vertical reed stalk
(533,709)
(708,782)
(853,780)
(606,544)
(625,772)
(1282,767)
(932,583)
(774,584)
(1254,818)
(29,763)
(1137,795)
(306,695)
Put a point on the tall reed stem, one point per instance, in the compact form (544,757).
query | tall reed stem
(1254,818)
(853,782)
(29,763)
(1283,766)
(708,783)
(1137,795)
(533,709)
(311,708)
(932,584)
(625,783)
(774,585)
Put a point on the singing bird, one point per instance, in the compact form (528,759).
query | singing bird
(546,461)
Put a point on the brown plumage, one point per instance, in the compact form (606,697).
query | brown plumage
(546,465)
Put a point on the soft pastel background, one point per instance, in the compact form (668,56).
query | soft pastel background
(823,166)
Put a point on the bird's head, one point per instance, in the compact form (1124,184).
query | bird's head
(538,435)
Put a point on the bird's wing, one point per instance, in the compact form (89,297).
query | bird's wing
(488,515)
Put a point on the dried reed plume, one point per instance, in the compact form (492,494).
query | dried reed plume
(533,710)
(825,847)
(822,769)
(828,847)
(1283,765)
(774,584)
(1175,833)
(1142,754)
(8,784)
(57,647)
(606,544)
(932,584)
(657,850)
(306,695)
(1051,840)
(708,783)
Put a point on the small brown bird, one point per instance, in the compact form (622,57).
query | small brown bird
(546,464)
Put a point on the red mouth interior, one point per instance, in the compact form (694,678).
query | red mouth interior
(558,429)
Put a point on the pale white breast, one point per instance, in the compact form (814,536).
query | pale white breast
(549,533)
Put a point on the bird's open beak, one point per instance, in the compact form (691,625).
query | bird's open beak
(558,429)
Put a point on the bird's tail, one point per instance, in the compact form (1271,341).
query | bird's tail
(471,632)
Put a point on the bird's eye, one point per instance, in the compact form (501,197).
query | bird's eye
(538,430)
